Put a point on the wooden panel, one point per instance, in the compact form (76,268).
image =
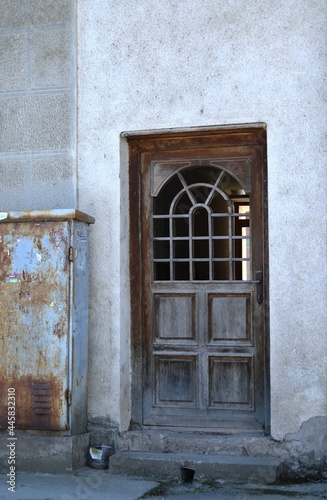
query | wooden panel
(230,382)
(229,317)
(175,316)
(175,380)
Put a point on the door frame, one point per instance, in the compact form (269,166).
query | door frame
(177,140)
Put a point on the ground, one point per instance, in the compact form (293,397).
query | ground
(223,491)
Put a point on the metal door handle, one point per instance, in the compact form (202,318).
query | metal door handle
(258,281)
(258,278)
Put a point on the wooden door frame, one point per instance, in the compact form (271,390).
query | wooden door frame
(174,140)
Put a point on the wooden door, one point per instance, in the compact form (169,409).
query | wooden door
(202,267)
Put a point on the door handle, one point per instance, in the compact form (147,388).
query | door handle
(259,282)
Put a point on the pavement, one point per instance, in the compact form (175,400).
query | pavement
(92,484)
(87,484)
(230,491)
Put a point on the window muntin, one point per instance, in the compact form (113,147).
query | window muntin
(201,228)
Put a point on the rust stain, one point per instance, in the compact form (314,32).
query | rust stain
(42,361)
(47,215)
(32,308)
(39,402)
(58,330)
(57,235)
(5,259)
(38,244)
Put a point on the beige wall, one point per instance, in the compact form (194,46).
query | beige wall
(146,65)
(150,65)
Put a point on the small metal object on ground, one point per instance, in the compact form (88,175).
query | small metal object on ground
(187,474)
(98,456)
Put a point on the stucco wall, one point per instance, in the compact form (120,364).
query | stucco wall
(145,65)
(150,65)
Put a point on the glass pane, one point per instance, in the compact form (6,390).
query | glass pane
(181,271)
(220,249)
(221,270)
(201,193)
(201,270)
(220,226)
(181,249)
(200,222)
(196,175)
(161,249)
(181,226)
(160,227)
(218,204)
(161,203)
(242,243)
(161,271)
(183,205)
(200,249)
(244,209)
(246,253)
(218,219)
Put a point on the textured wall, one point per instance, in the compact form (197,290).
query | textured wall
(37,104)
(150,65)
(146,65)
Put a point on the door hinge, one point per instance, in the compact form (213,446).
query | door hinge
(71,254)
(68,397)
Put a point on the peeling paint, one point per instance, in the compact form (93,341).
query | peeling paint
(33,275)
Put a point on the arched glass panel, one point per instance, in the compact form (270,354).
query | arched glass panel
(201,228)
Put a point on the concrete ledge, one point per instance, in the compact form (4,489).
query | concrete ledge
(190,442)
(163,466)
(45,454)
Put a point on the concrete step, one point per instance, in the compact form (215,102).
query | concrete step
(166,466)
(33,452)
(196,442)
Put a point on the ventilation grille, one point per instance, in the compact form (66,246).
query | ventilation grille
(41,398)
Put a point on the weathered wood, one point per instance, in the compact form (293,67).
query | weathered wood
(194,315)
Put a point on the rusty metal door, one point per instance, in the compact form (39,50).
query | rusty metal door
(34,317)
(202,313)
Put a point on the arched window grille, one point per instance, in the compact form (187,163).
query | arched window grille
(201,227)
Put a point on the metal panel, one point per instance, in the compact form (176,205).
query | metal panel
(45,215)
(44,318)
(79,327)
(34,321)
